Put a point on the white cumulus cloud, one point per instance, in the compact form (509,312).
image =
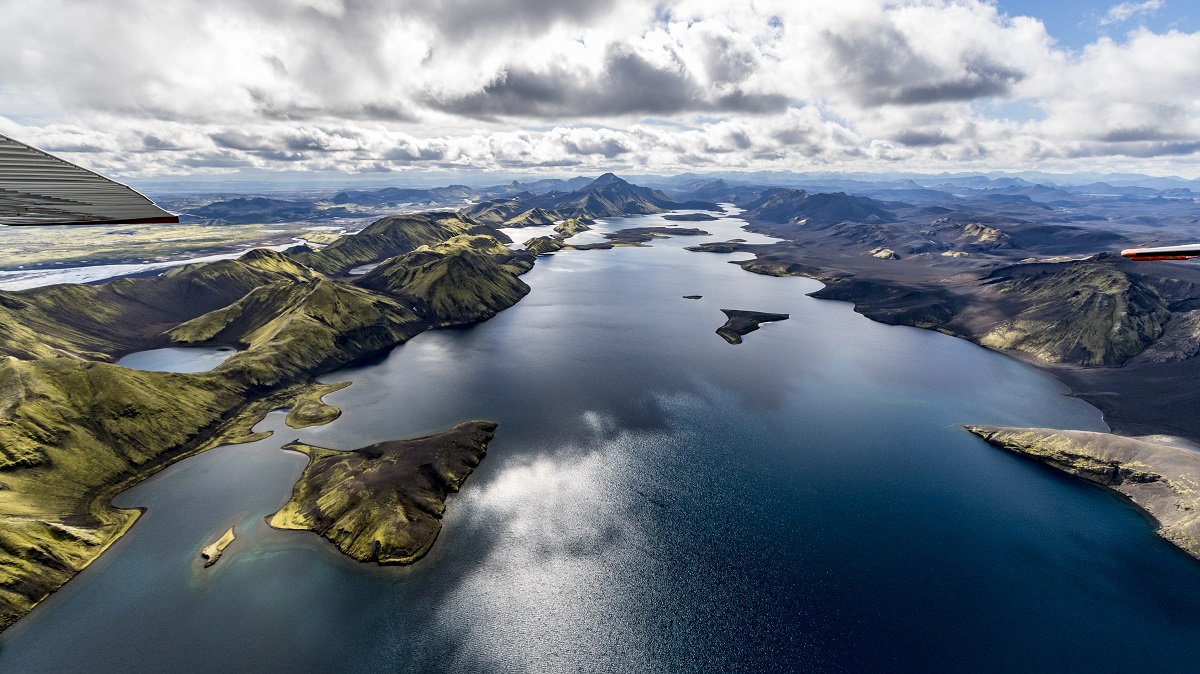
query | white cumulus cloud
(149,88)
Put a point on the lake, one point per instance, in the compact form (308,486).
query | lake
(178,358)
(656,500)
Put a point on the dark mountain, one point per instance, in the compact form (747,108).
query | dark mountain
(542,186)
(717,191)
(815,210)
(605,197)
(396,196)
(242,211)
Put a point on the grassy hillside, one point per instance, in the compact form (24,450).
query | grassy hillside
(463,280)
(69,432)
(391,236)
(101,322)
(1084,312)
(74,431)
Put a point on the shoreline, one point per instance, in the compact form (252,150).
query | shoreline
(1157,475)
(234,430)
(948,299)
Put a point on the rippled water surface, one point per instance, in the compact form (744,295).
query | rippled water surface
(656,500)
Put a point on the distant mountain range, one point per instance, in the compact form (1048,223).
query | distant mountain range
(814,210)
(815,199)
(517,204)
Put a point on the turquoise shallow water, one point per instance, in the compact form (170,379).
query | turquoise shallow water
(657,500)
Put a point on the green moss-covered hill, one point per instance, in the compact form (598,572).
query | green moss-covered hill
(75,429)
(384,502)
(70,432)
(100,322)
(1086,313)
(392,236)
(462,280)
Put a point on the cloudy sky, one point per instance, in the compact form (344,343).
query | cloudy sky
(146,88)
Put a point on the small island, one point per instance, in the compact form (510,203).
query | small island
(1158,473)
(730,246)
(384,502)
(690,217)
(212,552)
(744,322)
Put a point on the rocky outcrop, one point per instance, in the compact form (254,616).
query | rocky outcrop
(606,196)
(212,552)
(392,236)
(534,217)
(1180,340)
(787,206)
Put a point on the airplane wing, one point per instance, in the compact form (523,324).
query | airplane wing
(37,188)
(1184,252)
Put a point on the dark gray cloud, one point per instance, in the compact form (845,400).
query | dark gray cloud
(154,143)
(914,138)
(604,147)
(879,66)
(981,80)
(272,106)
(728,63)
(1148,150)
(465,18)
(626,84)
(1141,133)
(741,140)
(1139,150)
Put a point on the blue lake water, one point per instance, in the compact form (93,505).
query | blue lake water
(178,358)
(656,500)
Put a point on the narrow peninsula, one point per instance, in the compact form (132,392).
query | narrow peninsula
(384,502)
(1160,474)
